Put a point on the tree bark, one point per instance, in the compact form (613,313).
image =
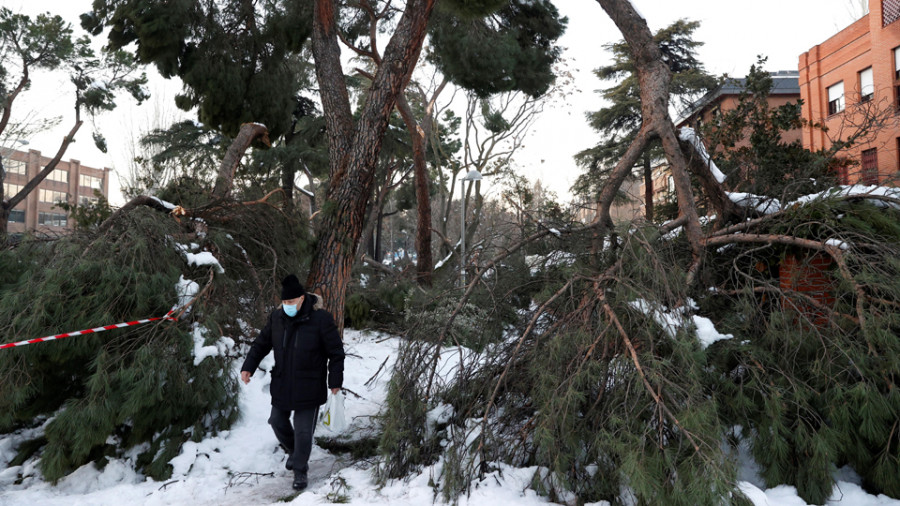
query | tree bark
(648,188)
(7,106)
(654,78)
(353,151)
(249,132)
(425,261)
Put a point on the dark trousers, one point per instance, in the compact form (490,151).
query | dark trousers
(296,439)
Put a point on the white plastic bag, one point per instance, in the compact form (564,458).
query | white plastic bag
(333,417)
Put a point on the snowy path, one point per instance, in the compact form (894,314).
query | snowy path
(245,467)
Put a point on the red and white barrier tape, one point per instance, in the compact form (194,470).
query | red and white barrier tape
(89,331)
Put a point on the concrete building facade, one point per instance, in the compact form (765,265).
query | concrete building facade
(69,182)
(850,77)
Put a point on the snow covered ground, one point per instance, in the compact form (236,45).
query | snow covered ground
(245,467)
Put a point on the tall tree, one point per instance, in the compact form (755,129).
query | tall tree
(620,122)
(522,37)
(45,43)
(238,61)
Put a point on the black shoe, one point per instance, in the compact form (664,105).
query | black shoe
(300,481)
(288,464)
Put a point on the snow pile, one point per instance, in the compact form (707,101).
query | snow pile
(671,320)
(762,204)
(856,190)
(552,259)
(201,350)
(203,258)
(199,259)
(186,290)
(770,205)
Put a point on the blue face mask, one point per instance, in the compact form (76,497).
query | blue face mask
(290,309)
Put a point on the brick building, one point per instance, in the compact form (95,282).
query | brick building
(785,89)
(724,98)
(852,75)
(69,182)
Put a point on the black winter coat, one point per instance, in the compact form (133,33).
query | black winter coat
(309,355)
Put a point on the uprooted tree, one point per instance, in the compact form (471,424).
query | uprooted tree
(615,385)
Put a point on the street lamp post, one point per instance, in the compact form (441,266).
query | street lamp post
(472,176)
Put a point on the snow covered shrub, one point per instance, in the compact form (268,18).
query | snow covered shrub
(150,387)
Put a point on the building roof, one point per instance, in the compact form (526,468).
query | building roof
(784,82)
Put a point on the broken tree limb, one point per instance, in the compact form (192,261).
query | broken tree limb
(654,78)
(249,133)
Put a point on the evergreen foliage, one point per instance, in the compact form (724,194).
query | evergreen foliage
(99,395)
(510,49)
(605,387)
(237,64)
(619,123)
(813,388)
(752,150)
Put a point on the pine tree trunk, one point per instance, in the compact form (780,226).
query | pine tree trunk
(424,262)
(654,77)
(287,185)
(648,188)
(4,221)
(249,132)
(353,149)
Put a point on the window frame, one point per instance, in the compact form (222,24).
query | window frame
(50,219)
(837,105)
(94,182)
(15,167)
(44,193)
(896,52)
(863,96)
(868,172)
(57,171)
(7,187)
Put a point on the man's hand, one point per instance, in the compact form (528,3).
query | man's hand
(334,391)
(245,377)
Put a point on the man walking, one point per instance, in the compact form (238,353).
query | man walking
(309,355)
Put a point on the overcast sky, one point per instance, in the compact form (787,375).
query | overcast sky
(734,33)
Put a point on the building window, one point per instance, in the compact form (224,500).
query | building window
(51,196)
(866,85)
(17,216)
(52,219)
(670,184)
(890,11)
(87,201)
(897,63)
(10,190)
(17,167)
(836,98)
(90,182)
(60,176)
(898,154)
(869,167)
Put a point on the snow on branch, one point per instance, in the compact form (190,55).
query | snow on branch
(689,135)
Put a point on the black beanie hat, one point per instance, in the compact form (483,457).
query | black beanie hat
(291,288)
